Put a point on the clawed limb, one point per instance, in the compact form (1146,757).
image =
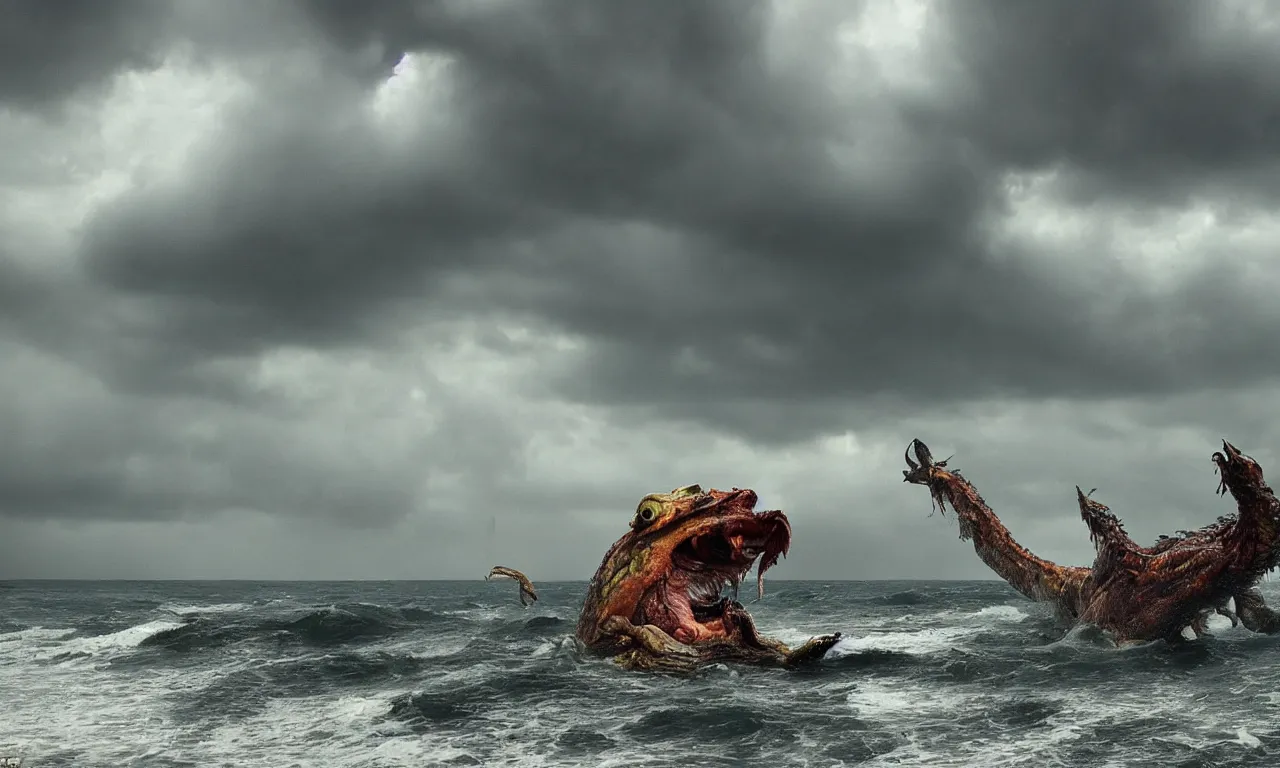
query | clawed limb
(1254,614)
(647,637)
(811,650)
(1251,612)
(1223,610)
(1199,627)
(654,650)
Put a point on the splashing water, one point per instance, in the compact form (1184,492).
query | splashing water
(457,673)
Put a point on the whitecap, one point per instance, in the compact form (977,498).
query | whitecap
(187,610)
(1247,739)
(882,698)
(924,641)
(102,644)
(1003,613)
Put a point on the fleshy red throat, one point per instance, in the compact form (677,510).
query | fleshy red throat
(688,603)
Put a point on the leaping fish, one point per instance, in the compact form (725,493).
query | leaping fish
(527,595)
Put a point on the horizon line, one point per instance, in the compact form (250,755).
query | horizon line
(383,581)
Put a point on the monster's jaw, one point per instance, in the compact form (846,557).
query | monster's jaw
(686,604)
(924,469)
(1238,473)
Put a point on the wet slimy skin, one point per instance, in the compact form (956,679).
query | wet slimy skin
(655,601)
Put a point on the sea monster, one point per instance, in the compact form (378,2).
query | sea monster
(655,602)
(527,595)
(1249,540)
(1134,594)
(1242,478)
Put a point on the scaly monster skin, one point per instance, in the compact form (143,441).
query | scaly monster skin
(1256,526)
(654,603)
(1036,578)
(1118,552)
(1145,592)
(1136,593)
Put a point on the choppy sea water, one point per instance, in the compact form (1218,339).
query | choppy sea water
(457,673)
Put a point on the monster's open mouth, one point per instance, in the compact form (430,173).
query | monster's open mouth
(688,603)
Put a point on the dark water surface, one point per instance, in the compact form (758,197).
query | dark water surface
(273,675)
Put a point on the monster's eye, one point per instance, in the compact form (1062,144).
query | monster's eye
(646,513)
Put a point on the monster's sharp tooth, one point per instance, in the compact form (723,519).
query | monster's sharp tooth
(710,589)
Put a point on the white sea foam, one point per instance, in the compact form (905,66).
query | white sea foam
(1001,613)
(924,641)
(871,634)
(33,645)
(89,704)
(922,710)
(110,643)
(85,707)
(315,731)
(187,610)
(33,636)
(893,698)
(1247,739)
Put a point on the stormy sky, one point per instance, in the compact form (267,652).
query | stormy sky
(402,290)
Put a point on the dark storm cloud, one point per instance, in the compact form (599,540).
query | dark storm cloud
(779,272)
(735,236)
(76,451)
(1154,99)
(52,49)
(305,229)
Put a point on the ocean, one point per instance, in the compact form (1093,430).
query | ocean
(329,674)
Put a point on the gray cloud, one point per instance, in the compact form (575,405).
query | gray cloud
(736,169)
(51,51)
(1145,100)
(399,266)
